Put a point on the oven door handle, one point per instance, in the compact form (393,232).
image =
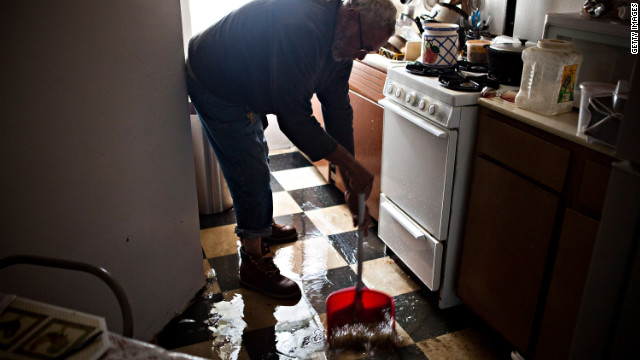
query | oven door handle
(413,118)
(402,219)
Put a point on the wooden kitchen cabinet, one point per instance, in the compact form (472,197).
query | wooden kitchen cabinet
(365,89)
(504,254)
(532,219)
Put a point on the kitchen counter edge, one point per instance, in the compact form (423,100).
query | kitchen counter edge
(563,125)
(376,61)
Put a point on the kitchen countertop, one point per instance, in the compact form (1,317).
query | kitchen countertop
(562,125)
(380,62)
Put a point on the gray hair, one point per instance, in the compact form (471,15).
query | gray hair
(375,14)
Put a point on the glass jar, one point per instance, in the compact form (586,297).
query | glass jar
(548,77)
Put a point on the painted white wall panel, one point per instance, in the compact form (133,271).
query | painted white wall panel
(497,9)
(97,155)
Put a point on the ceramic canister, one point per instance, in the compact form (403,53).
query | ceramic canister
(440,44)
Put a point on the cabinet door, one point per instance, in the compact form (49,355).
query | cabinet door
(367,129)
(508,232)
(567,284)
(367,132)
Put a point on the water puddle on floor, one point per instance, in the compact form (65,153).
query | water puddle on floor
(226,324)
(370,338)
(212,287)
(302,340)
(308,262)
(298,333)
(308,205)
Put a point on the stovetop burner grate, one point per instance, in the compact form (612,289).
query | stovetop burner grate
(459,82)
(452,77)
(473,68)
(419,68)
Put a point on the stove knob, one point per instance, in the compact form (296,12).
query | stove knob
(433,108)
(399,93)
(409,99)
(422,104)
(389,89)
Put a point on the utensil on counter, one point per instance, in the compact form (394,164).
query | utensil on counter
(474,20)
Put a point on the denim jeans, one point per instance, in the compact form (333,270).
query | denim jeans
(237,137)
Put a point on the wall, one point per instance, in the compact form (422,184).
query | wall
(185,9)
(97,155)
(497,10)
(204,13)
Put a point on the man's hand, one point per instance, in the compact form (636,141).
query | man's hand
(355,176)
(357,180)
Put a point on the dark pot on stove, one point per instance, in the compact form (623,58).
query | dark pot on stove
(505,62)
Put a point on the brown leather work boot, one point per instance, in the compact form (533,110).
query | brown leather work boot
(261,274)
(281,234)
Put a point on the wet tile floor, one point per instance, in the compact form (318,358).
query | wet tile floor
(226,321)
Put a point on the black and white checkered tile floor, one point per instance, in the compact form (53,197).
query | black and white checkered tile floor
(227,321)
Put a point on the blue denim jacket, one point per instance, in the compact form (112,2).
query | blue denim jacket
(272,56)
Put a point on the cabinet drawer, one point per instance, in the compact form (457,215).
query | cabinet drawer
(367,81)
(527,154)
(412,244)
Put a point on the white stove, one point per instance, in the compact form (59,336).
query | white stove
(399,78)
(428,140)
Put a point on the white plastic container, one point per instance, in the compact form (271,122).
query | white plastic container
(548,77)
(589,89)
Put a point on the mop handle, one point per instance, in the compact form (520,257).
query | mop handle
(361,214)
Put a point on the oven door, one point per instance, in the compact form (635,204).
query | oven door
(418,161)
